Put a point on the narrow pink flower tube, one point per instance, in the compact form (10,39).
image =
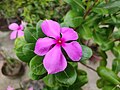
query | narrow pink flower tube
(50,46)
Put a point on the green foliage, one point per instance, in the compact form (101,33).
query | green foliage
(116,66)
(72,19)
(68,76)
(98,26)
(33,10)
(87,53)
(36,65)
(108,75)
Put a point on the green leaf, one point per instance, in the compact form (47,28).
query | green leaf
(85,32)
(86,53)
(97,38)
(28,50)
(116,65)
(35,77)
(36,65)
(73,19)
(116,34)
(30,34)
(100,83)
(107,45)
(80,81)
(82,78)
(103,62)
(68,76)
(116,51)
(108,75)
(19,43)
(50,80)
(100,11)
(111,87)
(76,4)
(39,33)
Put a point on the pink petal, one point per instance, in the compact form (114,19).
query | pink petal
(69,34)
(43,45)
(10,88)
(54,61)
(20,33)
(13,26)
(21,27)
(31,88)
(74,50)
(13,35)
(51,28)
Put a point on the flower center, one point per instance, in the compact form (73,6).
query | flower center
(60,41)
(19,28)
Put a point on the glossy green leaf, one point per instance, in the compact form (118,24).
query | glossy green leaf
(110,88)
(86,53)
(76,4)
(68,76)
(116,51)
(73,19)
(100,83)
(116,34)
(108,75)
(19,43)
(39,32)
(112,6)
(85,32)
(28,50)
(50,80)
(116,65)
(97,38)
(80,81)
(107,45)
(36,65)
(100,11)
(103,62)
(35,77)
(30,34)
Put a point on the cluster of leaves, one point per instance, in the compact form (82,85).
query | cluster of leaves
(97,23)
(71,78)
(33,10)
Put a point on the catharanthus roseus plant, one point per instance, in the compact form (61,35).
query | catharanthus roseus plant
(53,50)
(50,46)
(54,57)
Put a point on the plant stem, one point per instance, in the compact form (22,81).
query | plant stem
(88,11)
(88,67)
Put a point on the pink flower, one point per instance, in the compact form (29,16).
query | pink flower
(58,37)
(31,88)
(17,30)
(10,88)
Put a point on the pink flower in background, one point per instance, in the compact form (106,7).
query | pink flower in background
(31,88)
(58,37)
(10,88)
(17,30)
